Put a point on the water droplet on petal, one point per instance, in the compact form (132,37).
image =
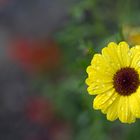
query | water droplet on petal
(138,63)
(129,54)
(122,109)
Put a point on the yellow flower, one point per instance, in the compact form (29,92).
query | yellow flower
(131,34)
(114,76)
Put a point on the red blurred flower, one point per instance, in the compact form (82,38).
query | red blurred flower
(60,131)
(39,110)
(4,2)
(36,56)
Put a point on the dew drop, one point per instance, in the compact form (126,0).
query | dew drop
(103,85)
(118,65)
(129,53)
(138,63)
(122,109)
(102,102)
(97,80)
(110,102)
(137,47)
(97,67)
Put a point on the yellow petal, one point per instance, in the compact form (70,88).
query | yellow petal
(104,100)
(88,81)
(110,56)
(112,112)
(138,93)
(124,112)
(99,88)
(91,90)
(112,50)
(123,51)
(89,69)
(135,105)
(135,57)
(97,76)
(101,65)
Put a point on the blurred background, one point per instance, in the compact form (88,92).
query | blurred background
(45,47)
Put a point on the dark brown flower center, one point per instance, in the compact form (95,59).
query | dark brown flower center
(126,81)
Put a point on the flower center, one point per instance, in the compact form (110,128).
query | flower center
(126,81)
